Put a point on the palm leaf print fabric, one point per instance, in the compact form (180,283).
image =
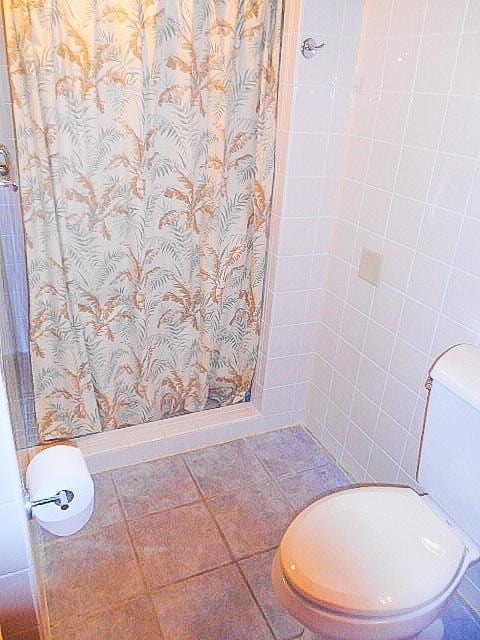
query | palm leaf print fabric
(146,148)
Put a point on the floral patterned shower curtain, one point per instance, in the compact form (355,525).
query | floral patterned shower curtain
(146,148)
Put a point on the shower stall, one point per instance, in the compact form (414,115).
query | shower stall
(270,316)
(265,388)
(146,175)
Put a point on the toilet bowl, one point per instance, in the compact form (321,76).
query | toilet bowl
(371,563)
(379,562)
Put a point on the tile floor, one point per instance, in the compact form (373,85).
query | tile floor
(181,548)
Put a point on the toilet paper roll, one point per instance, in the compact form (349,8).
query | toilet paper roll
(52,470)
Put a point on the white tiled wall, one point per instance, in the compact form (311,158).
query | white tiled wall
(314,101)
(17,573)
(410,189)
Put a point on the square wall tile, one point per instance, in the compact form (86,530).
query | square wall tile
(439,233)
(467,253)
(461,131)
(376,18)
(407,17)
(462,300)
(355,159)
(425,119)
(445,17)
(414,172)
(436,63)
(297,236)
(328,18)
(400,64)
(428,282)
(391,116)
(383,165)
(405,219)
(451,182)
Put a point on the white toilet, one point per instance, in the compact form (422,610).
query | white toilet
(378,562)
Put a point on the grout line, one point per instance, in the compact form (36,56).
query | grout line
(237,561)
(252,593)
(134,550)
(204,501)
(437,309)
(351,271)
(387,221)
(428,192)
(198,574)
(92,614)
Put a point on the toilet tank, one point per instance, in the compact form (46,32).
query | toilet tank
(449,463)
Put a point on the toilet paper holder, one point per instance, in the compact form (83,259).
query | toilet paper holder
(62,499)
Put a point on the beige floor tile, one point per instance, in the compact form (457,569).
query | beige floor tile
(252,520)
(133,620)
(225,468)
(257,570)
(156,486)
(303,488)
(288,451)
(214,606)
(91,572)
(176,544)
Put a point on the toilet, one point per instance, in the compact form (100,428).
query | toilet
(379,562)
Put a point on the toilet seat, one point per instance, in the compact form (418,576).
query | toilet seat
(371,551)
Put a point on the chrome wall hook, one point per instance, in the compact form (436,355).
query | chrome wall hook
(310,48)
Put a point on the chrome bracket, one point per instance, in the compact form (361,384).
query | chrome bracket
(62,499)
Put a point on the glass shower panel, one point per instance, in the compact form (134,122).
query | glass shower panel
(14,320)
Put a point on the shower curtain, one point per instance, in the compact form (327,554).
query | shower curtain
(145,134)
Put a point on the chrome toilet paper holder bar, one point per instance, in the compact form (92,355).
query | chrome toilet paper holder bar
(62,499)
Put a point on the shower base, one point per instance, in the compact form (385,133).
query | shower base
(130,445)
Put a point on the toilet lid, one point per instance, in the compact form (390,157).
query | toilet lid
(371,550)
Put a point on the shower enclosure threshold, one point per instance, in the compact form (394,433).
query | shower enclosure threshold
(130,445)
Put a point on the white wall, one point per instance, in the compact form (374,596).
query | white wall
(17,573)
(314,101)
(410,189)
